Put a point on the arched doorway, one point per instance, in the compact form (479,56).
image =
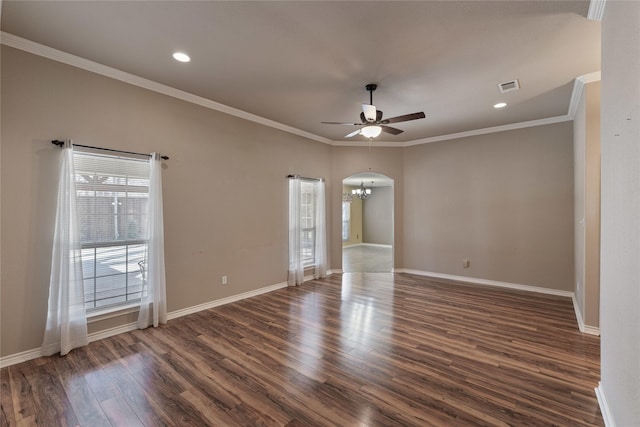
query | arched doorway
(367,223)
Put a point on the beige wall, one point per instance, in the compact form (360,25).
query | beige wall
(504,201)
(355,228)
(371,219)
(225,191)
(377,217)
(592,208)
(586,149)
(620,245)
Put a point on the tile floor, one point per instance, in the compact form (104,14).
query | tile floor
(364,258)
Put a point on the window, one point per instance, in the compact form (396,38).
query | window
(307,229)
(112,199)
(307,223)
(346,220)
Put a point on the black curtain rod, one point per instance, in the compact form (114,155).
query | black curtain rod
(61,143)
(304,178)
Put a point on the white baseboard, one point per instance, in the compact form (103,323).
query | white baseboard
(585,329)
(25,356)
(591,330)
(355,245)
(607,416)
(207,305)
(486,282)
(106,333)
(35,353)
(377,245)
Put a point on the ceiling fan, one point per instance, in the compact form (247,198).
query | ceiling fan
(372,123)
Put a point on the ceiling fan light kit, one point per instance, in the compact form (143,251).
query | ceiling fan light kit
(371,131)
(372,124)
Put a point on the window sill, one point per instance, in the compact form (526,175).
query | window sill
(111,312)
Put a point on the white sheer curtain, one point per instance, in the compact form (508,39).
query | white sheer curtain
(153,303)
(296,269)
(66,327)
(321,231)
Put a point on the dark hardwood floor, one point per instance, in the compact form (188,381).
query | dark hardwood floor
(359,349)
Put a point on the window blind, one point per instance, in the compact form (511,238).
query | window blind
(112,198)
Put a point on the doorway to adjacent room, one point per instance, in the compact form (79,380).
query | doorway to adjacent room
(367,223)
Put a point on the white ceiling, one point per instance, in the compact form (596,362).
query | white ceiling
(302,62)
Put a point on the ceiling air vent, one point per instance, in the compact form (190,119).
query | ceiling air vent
(509,86)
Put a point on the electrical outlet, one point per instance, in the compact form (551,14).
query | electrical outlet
(225,280)
(465,263)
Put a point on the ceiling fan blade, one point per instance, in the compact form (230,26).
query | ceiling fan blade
(342,123)
(404,118)
(354,133)
(369,112)
(392,131)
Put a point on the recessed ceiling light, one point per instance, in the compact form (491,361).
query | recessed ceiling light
(500,105)
(182,57)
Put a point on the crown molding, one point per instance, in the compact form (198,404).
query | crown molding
(578,88)
(596,10)
(372,143)
(465,134)
(493,129)
(11,40)
(16,42)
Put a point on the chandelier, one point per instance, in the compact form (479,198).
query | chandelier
(362,192)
